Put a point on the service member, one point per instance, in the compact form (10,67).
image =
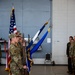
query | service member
(22,46)
(73,56)
(16,60)
(68,55)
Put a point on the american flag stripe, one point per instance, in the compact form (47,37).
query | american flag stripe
(15,29)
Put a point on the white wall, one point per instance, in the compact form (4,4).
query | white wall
(63,20)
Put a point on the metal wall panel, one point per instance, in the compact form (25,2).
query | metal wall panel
(30,17)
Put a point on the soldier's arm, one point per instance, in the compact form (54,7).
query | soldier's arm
(15,55)
(74,51)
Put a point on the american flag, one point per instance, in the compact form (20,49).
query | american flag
(12,29)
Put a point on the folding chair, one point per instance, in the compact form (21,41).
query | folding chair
(47,58)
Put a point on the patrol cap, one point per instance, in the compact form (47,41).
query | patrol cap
(12,35)
(18,33)
(21,35)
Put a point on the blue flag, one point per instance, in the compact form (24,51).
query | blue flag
(34,49)
(36,35)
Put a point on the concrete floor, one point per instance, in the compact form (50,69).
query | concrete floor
(42,70)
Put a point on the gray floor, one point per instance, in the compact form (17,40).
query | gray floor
(42,70)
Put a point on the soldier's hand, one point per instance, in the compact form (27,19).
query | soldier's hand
(24,43)
(25,67)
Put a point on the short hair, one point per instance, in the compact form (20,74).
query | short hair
(71,37)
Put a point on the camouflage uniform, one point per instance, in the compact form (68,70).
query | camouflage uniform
(72,55)
(23,55)
(16,60)
(69,59)
(16,54)
(22,49)
(71,51)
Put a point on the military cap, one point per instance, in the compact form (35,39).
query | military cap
(21,35)
(18,33)
(12,35)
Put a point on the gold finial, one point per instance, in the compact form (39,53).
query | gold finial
(48,29)
(46,23)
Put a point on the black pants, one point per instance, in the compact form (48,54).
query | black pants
(69,65)
(24,72)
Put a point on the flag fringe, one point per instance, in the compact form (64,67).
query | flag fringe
(7,69)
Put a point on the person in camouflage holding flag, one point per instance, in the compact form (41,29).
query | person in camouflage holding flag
(22,46)
(16,65)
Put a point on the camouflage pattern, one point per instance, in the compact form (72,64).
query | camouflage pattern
(16,60)
(21,50)
(23,55)
(12,35)
(73,53)
(71,50)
